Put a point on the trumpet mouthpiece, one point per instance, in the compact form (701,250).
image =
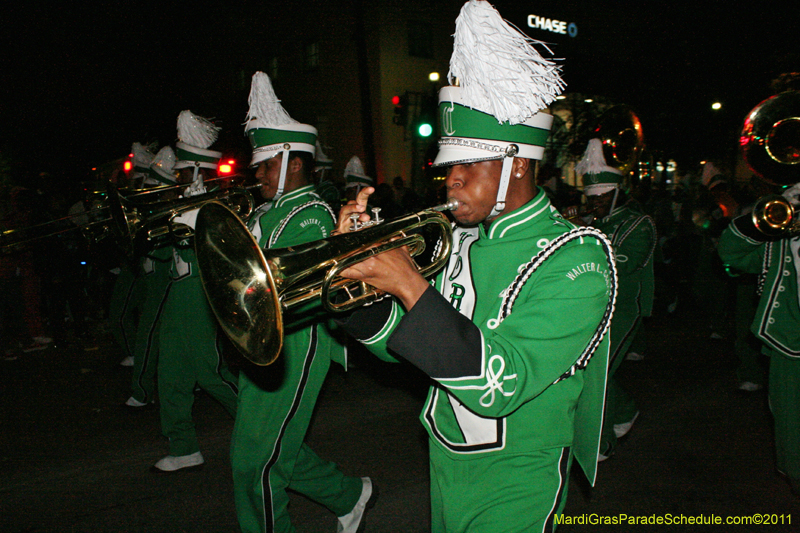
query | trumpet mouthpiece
(451,205)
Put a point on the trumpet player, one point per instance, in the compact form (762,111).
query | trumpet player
(633,235)
(516,387)
(276,402)
(777,261)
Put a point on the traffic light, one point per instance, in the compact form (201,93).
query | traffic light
(426,120)
(400,110)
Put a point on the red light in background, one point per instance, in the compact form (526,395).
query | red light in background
(225,168)
(395,100)
(127,166)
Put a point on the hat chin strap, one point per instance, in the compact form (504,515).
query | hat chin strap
(282,178)
(505,179)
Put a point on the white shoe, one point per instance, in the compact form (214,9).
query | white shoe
(749,386)
(128,361)
(620,430)
(353,522)
(133,402)
(171,463)
(633,356)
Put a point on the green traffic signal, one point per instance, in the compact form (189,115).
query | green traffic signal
(425,130)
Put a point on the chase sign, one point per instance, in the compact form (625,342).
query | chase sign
(553,25)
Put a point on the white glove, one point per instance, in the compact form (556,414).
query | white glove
(793,194)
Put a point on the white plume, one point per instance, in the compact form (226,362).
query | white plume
(354,167)
(265,109)
(196,131)
(593,160)
(499,70)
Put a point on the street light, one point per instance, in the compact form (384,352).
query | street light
(433,77)
(716,106)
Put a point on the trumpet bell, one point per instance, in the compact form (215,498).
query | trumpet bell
(774,216)
(239,284)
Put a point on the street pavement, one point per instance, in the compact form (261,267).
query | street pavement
(73,460)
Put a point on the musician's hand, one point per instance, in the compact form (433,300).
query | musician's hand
(572,213)
(393,272)
(359,205)
(793,194)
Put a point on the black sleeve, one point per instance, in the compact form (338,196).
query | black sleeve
(366,321)
(437,339)
(745,225)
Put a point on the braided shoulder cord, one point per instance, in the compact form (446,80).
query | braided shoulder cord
(762,276)
(512,292)
(282,226)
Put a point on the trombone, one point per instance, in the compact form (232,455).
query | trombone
(140,225)
(249,288)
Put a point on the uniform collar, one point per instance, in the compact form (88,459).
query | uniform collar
(294,195)
(537,208)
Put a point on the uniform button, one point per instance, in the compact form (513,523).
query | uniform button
(771,321)
(542,243)
(781,288)
(776,304)
(786,273)
(787,259)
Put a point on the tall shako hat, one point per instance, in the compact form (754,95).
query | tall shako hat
(142,157)
(163,166)
(354,175)
(503,84)
(195,135)
(272,131)
(598,176)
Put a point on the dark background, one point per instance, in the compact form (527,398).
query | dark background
(81,81)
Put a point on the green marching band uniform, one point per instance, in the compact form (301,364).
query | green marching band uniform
(276,402)
(189,354)
(633,236)
(775,324)
(155,280)
(506,392)
(512,333)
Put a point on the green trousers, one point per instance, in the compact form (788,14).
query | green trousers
(126,296)
(620,407)
(145,352)
(498,493)
(189,356)
(267,452)
(784,401)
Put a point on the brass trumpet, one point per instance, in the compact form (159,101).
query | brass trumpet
(249,288)
(775,217)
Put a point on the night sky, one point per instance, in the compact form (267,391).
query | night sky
(80,83)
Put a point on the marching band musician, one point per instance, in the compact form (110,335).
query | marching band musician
(512,332)
(777,261)
(633,235)
(153,280)
(128,294)
(187,332)
(276,402)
